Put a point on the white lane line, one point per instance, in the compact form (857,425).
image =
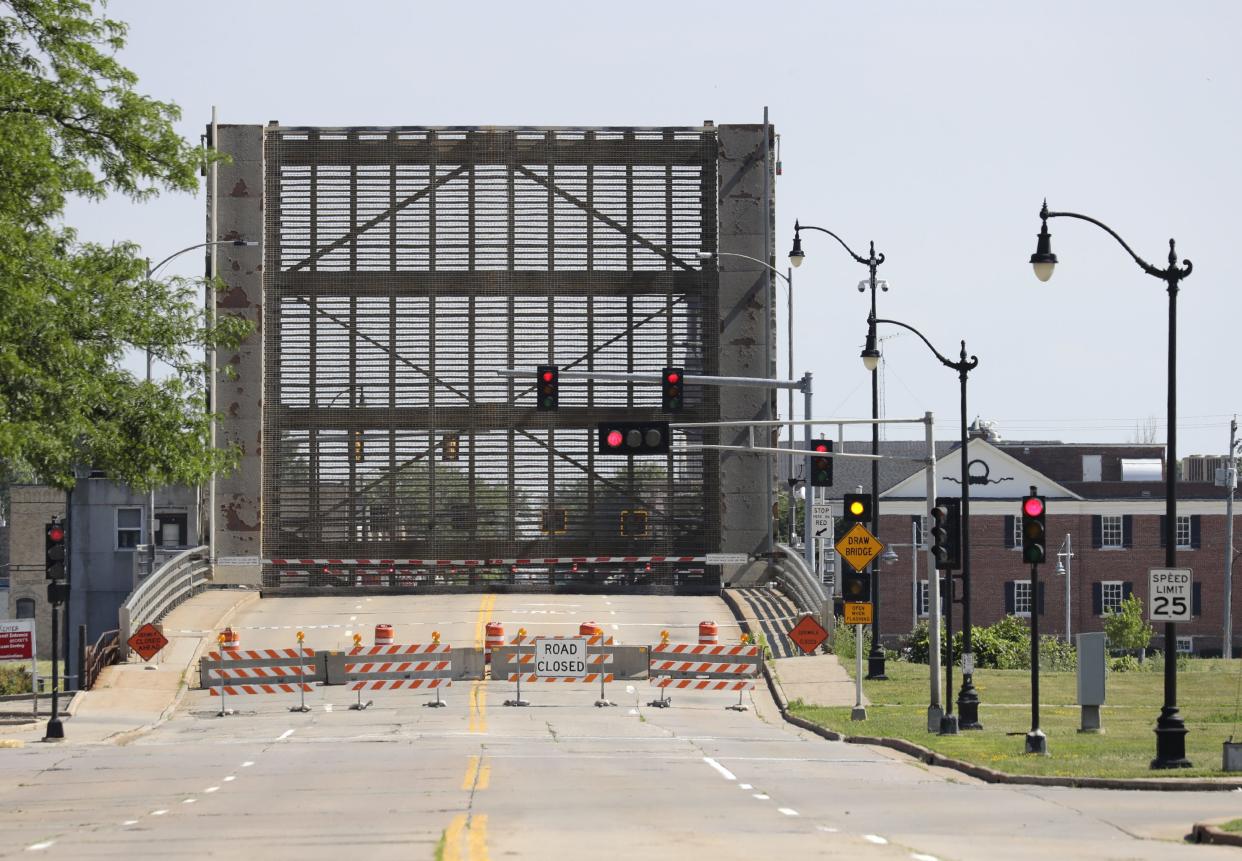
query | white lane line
(212,789)
(633,711)
(189,801)
(826,828)
(230,778)
(130,822)
(35,847)
(788,811)
(284,735)
(761,796)
(629,689)
(248,763)
(874,838)
(744,786)
(352,619)
(616,627)
(158,812)
(724,772)
(919,856)
(327,707)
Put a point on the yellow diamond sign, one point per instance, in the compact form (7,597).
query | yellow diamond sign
(858,547)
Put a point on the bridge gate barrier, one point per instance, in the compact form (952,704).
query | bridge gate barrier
(516,662)
(703,668)
(379,668)
(234,672)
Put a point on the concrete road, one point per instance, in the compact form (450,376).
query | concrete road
(561,778)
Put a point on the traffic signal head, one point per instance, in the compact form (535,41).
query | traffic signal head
(632,438)
(857,507)
(451,447)
(821,467)
(548,385)
(674,390)
(952,539)
(855,585)
(939,535)
(1034,543)
(54,545)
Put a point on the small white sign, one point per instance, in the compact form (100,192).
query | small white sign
(1226,476)
(565,657)
(821,518)
(727,558)
(1170,591)
(238,560)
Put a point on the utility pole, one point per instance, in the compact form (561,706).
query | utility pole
(1231,481)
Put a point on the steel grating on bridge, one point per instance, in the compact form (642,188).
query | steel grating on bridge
(403,267)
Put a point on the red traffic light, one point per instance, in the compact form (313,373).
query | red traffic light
(56,534)
(1033,506)
(821,446)
(615,438)
(548,376)
(673,377)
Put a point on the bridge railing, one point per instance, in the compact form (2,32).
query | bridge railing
(178,579)
(796,579)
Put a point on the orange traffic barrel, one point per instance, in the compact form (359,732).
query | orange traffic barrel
(708,634)
(495,638)
(590,629)
(232,640)
(383,635)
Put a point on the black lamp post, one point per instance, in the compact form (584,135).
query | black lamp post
(875,660)
(968,697)
(1170,728)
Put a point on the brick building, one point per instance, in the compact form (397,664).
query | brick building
(1105,506)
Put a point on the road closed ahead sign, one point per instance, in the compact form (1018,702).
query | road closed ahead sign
(567,657)
(1170,593)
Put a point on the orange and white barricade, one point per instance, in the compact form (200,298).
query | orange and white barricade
(425,666)
(261,671)
(687,667)
(530,660)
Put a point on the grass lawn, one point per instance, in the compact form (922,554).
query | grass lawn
(1207,696)
(1234,825)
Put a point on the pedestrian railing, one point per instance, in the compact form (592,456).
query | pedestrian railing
(177,580)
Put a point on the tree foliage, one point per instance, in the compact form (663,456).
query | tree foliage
(1126,628)
(73,124)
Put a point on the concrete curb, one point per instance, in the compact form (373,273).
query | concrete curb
(989,775)
(1206,833)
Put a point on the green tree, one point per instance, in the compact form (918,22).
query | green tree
(72,124)
(1126,628)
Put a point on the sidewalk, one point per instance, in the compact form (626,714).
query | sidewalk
(136,696)
(816,680)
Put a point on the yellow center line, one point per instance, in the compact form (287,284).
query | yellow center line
(476,839)
(478,774)
(478,691)
(452,838)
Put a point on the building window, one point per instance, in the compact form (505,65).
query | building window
(918,530)
(1183,533)
(1185,645)
(924,599)
(1110,531)
(1017,533)
(25,608)
(128,528)
(1022,597)
(1112,592)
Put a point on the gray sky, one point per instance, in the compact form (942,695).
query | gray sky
(933,128)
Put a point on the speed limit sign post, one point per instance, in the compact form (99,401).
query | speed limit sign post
(1170,591)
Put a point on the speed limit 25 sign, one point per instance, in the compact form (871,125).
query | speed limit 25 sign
(1170,594)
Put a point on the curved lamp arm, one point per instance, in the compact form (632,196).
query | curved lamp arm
(964,365)
(877,259)
(235,242)
(1171,273)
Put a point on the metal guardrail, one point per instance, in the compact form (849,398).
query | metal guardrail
(178,579)
(796,580)
(105,652)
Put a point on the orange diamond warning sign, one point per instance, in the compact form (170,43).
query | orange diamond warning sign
(858,547)
(147,641)
(808,634)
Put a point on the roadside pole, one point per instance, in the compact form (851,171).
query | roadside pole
(1231,481)
(935,709)
(859,712)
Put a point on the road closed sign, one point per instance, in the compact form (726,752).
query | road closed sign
(1170,591)
(560,657)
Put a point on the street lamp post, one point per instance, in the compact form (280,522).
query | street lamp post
(875,660)
(151,270)
(968,696)
(1170,728)
(1065,568)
